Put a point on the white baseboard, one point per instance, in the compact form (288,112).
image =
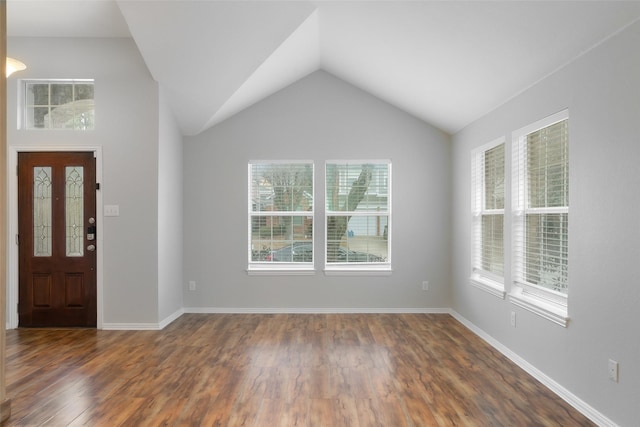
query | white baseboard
(266,310)
(131,326)
(143,326)
(164,323)
(224,310)
(573,400)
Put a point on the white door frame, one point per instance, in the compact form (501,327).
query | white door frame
(12,246)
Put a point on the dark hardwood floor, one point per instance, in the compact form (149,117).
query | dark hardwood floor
(275,370)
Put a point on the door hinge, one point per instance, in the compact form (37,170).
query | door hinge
(18,239)
(97,185)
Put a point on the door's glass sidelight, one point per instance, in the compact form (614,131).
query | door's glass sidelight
(74,210)
(42,211)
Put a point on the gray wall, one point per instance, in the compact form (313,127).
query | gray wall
(127,126)
(602,91)
(169,215)
(317,118)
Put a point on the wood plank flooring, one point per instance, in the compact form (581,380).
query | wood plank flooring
(275,370)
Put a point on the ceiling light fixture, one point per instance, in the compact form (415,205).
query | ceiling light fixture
(14,65)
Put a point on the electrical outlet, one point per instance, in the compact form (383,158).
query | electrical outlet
(425,285)
(513,319)
(613,370)
(192,285)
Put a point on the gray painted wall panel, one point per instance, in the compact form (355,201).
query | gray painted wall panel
(602,91)
(318,118)
(127,123)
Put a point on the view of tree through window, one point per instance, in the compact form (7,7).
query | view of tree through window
(281,212)
(357,212)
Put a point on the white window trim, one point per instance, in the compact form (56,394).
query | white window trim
(255,268)
(371,270)
(546,303)
(282,269)
(364,269)
(483,280)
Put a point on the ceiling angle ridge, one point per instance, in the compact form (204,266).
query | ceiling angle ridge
(296,57)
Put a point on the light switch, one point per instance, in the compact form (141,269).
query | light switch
(111,210)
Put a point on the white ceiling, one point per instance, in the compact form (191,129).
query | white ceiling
(446,62)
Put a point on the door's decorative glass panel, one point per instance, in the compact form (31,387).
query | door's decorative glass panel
(42,211)
(74,210)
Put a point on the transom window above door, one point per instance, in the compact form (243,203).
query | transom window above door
(58,104)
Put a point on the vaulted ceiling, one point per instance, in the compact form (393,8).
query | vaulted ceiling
(446,62)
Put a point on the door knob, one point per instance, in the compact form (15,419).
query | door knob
(91,248)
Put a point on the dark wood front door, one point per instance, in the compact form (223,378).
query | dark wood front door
(56,226)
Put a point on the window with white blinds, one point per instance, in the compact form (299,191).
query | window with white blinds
(281,215)
(541,216)
(488,186)
(358,215)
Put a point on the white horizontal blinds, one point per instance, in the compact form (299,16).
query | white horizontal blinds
(281,212)
(548,167)
(493,212)
(488,209)
(494,178)
(358,210)
(541,231)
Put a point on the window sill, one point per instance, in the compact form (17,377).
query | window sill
(491,286)
(362,271)
(280,271)
(550,310)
